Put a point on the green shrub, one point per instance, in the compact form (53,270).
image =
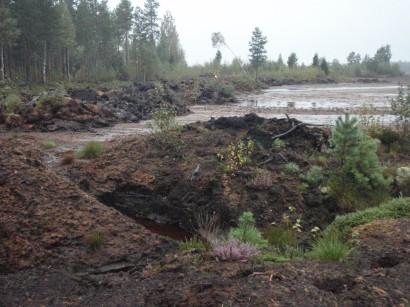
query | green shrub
(165,129)
(193,244)
(237,155)
(52,102)
(247,232)
(49,144)
(401,105)
(357,179)
(314,177)
(12,103)
(95,239)
(292,169)
(386,135)
(225,90)
(91,150)
(281,237)
(278,145)
(330,247)
(394,209)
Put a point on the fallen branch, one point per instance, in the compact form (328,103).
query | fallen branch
(288,132)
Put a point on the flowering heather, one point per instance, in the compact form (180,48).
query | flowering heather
(234,250)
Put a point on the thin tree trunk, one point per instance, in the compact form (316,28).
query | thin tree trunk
(2,74)
(68,64)
(44,71)
(126,48)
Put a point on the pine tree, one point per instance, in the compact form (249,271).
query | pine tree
(150,19)
(123,18)
(67,36)
(324,66)
(357,178)
(169,46)
(292,60)
(257,50)
(315,62)
(8,35)
(280,61)
(218,58)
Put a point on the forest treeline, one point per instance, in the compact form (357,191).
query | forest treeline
(44,40)
(84,40)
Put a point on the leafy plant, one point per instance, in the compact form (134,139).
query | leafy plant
(278,145)
(292,168)
(247,232)
(357,178)
(12,103)
(234,250)
(314,177)
(330,247)
(165,128)
(91,150)
(237,155)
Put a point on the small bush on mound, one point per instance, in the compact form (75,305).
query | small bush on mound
(314,177)
(91,150)
(12,103)
(292,169)
(165,128)
(234,250)
(52,102)
(193,244)
(95,240)
(330,247)
(237,155)
(357,179)
(247,232)
(395,209)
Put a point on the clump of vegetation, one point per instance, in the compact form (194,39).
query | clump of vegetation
(49,144)
(330,247)
(67,158)
(292,168)
(225,90)
(193,244)
(357,179)
(12,103)
(278,145)
(403,180)
(262,179)
(281,237)
(52,102)
(234,250)
(237,155)
(314,177)
(247,231)
(165,129)
(95,239)
(91,150)
(401,105)
(394,209)
(386,135)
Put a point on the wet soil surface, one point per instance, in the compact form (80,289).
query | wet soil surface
(50,215)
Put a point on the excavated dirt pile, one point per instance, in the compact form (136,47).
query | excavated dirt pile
(46,220)
(86,109)
(182,184)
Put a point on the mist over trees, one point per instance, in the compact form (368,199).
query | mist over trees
(42,40)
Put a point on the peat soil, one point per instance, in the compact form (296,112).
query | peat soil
(64,240)
(89,108)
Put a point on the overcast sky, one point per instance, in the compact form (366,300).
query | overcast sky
(332,28)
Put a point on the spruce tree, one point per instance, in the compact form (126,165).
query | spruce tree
(257,50)
(324,66)
(357,178)
(292,60)
(123,18)
(315,62)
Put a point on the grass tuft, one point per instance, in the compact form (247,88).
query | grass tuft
(91,150)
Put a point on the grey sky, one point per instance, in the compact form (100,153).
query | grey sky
(332,28)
